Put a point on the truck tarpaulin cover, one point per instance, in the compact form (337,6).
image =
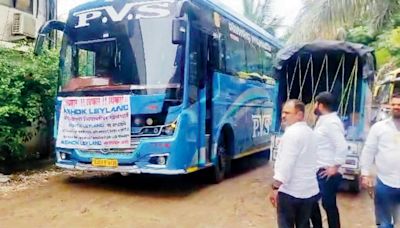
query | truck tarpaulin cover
(318,49)
(342,68)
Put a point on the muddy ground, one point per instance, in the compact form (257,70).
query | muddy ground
(55,198)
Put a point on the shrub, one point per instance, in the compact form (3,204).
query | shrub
(27,91)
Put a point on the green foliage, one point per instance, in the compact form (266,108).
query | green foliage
(395,19)
(383,56)
(395,37)
(360,34)
(324,19)
(260,12)
(387,46)
(27,91)
(375,23)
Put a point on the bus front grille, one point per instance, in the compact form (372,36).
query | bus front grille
(134,144)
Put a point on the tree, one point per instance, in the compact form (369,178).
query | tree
(260,12)
(329,19)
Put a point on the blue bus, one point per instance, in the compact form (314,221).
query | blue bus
(161,87)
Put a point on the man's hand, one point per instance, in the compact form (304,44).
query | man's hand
(273,198)
(329,171)
(367,182)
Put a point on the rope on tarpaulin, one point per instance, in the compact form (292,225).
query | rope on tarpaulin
(345,89)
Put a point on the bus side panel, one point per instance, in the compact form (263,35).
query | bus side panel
(246,106)
(185,152)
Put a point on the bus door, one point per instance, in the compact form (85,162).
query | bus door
(197,88)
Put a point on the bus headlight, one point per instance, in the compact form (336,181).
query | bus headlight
(137,121)
(162,160)
(64,155)
(159,159)
(149,121)
(169,129)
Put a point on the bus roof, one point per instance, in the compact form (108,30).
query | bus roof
(241,20)
(220,8)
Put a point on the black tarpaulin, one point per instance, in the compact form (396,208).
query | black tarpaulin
(318,49)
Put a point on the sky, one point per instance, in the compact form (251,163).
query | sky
(286,9)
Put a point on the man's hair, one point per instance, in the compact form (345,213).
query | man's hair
(396,95)
(326,99)
(298,105)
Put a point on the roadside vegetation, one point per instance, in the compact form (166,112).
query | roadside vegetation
(27,91)
(375,23)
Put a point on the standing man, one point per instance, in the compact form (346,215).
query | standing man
(295,188)
(383,148)
(332,151)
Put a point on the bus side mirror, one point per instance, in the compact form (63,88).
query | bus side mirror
(39,44)
(178,31)
(46,29)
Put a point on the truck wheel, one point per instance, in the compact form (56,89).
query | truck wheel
(223,162)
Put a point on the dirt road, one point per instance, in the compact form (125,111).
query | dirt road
(74,199)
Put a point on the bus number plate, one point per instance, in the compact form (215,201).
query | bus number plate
(104,162)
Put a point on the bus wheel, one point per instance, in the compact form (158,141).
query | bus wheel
(223,162)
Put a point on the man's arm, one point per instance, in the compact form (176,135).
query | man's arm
(273,195)
(367,159)
(284,164)
(286,160)
(369,151)
(336,134)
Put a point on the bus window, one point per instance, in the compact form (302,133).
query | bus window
(235,55)
(24,5)
(267,63)
(87,60)
(383,94)
(214,56)
(194,64)
(252,59)
(222,54)
(396,88)
(140,56)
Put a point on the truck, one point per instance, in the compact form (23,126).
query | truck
(384,91)
(346,70)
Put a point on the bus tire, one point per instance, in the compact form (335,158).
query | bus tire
(222,165)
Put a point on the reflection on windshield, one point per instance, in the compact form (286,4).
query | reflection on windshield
(141,56)
(383,94)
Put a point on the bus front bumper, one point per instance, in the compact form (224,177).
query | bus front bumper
(121,169)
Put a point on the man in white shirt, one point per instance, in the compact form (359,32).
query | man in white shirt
(295,187)
(332,151)
(382,147)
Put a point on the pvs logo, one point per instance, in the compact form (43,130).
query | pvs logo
(130,11)
(261,125)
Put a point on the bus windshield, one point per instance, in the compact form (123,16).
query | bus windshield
(383,94)
(138,55)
